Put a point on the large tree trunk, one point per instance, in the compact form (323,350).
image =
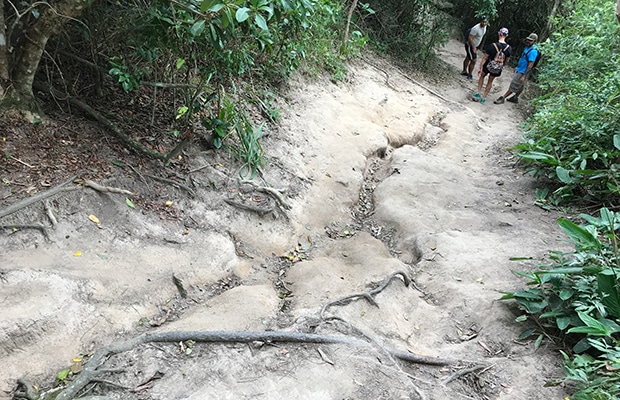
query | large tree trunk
(21,66)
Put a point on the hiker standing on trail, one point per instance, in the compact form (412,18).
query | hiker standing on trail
(524,67)
(472,40)
(496,56)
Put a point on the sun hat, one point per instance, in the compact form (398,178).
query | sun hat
(503,31)
(533,37)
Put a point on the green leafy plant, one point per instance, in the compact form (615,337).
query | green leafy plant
(572,138)
(578,296)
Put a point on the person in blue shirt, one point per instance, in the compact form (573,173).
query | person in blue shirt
(524,67)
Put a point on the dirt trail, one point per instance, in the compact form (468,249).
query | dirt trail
(440,200)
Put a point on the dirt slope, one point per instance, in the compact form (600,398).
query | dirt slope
(381,176)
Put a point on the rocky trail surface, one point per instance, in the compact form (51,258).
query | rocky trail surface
(386,216)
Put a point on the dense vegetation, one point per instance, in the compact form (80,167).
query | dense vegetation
(573,141)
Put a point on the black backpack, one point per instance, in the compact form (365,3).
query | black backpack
(538,56)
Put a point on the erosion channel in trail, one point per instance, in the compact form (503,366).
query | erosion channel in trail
(369,183)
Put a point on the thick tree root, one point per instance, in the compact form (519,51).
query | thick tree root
(38,227)
(34,199)
(91,369)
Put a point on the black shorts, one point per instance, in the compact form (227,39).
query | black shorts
(486,71)
(470,51)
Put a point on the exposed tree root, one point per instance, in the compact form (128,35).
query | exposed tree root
(259,210)
(38,227)
(463,372)
(367,295)
(276,193)
(173,183)
(36,198)
(104,189)
(91,369)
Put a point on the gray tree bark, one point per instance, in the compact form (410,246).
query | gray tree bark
(19,65)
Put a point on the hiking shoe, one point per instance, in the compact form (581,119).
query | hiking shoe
(470,78)
(500,100)
(476,97)
(483,100)
(513,99)
(464,73)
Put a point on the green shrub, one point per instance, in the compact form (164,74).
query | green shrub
(573,136)
(578,296)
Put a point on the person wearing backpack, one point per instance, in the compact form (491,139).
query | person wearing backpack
(527,61)
(473,38)
(496,56)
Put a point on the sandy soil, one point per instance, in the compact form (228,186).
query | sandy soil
(382,174)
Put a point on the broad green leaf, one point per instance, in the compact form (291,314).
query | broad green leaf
(180,63)
(538,341)
(592,327)
(562,322)
(260,21)
(581,237)
(211,5)
(197,28)
(608,288)
(526,333)
(617,141)
(566,294)
(242,14)
(521,318)
(563,175)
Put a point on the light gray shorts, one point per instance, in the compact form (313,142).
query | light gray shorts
(515,84)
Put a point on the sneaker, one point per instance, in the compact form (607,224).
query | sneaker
(470,78)
(513,99)
(500,100)
(464,73)
(476,97)
(483,100)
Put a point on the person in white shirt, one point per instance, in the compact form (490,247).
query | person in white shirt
(472,42)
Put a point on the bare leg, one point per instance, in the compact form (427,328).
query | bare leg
(481,82)
(488,88)
(472,64)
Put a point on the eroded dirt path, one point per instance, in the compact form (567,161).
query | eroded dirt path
(440,202)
